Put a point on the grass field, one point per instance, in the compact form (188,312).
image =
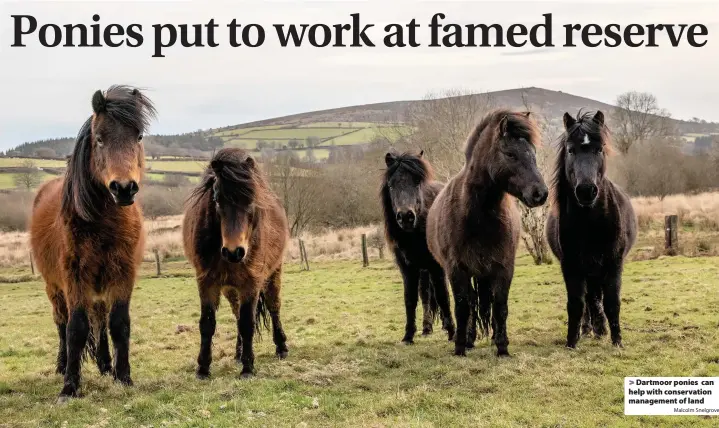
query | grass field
(176,165)
(346,368)
(7,180)
(42,163)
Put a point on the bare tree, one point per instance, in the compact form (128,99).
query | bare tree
(298,189)
(534,220)
(29,176)
(637,117)
(439,125)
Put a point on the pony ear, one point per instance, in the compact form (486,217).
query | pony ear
(389,159)
(527,113)
(599,117)
(569,121)
(250,161)
(98,102)
(503,125)
(421,152)
(216,165)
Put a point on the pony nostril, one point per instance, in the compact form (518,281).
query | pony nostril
(240,253)
(133,187)
(410,217)
(225,252)
(539,195)
(398,217)
(114,187)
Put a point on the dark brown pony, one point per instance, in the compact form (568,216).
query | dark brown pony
(591,227)
(408,190)
(235,233)
(87,238)
(473,226)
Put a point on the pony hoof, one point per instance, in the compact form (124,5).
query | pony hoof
(247,375)
(202,376)
(282,354)
(618,344)
(571,346)
(105,370)
(407,342)
(427,331)
(503,353)
(460,352)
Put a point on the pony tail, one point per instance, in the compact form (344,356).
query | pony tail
(261,316)
(482,306)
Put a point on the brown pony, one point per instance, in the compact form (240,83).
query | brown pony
(473,225)
(87,238)
(235,233)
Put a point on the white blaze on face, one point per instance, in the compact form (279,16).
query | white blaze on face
(586,139)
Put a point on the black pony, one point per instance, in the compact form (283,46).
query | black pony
(408,190)
(591,227)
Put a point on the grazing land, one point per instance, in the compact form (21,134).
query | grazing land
(346,368)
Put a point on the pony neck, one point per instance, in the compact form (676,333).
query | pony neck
(482,192)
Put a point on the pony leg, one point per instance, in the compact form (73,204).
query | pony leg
(78,330)
(576,289)
(102,353)
(248,310)
(439,287)
(586,319)
(461,284)
(500,311)
(209,301)
(612,303)
(274,303)
(473,318)
(410,275)
(59,315)
(233,297)
(120,333)
(425,294)
(595,296)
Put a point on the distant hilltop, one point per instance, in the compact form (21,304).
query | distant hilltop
(315,134)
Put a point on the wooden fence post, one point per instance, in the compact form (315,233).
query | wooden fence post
(32,266)
(157,261)
(365,258)
(303,256)
(671,237)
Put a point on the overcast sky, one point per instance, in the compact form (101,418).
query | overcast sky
(46,92)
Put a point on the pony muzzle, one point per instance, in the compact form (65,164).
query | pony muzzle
(406,219)
(233,256)
(535,196)
(586,194)
(123,192)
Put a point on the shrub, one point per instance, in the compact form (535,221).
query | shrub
(158,201)
(15,210)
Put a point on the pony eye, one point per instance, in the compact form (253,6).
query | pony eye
(511,155)
(571,151)
(98,140)
(139,138)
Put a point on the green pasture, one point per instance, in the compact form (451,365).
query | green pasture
(346,367)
